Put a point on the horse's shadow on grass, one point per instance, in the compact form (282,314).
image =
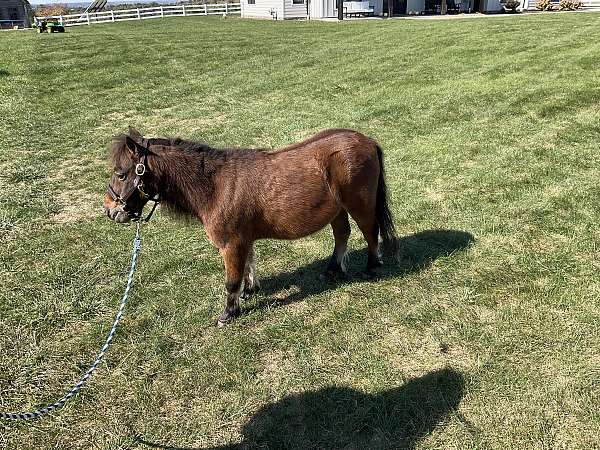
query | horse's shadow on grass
(416,252)
(344,418)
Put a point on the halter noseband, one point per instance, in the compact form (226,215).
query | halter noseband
(138,185)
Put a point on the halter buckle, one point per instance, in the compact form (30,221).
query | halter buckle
(140,169)
(140,187)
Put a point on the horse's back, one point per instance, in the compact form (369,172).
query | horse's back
(332,140)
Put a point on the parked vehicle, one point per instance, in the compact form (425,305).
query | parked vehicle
(51,26)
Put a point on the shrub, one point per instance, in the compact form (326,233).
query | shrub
(569,5)
(512,4)
(544,5)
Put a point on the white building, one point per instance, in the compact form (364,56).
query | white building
(275,9)
(318,9)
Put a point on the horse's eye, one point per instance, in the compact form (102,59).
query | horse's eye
(121,175)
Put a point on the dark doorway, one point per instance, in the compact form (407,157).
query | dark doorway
(399,7)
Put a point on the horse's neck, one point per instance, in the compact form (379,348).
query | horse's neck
(186,185)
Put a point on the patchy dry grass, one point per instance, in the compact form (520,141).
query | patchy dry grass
(485,335)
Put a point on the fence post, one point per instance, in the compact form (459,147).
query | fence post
(205,10)
(162,12)
(88,17)
(61,19)
(139,16)
(112,15)
(183,6)
(226,3)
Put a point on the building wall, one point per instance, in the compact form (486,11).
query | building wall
(492,6)
(292,10)
(18,10)
(415,6)
(322,8)
(328,8)
(262,8)
(377,7)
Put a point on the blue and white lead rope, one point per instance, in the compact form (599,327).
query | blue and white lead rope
(137,244)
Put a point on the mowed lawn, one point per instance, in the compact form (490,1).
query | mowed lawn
(484,335)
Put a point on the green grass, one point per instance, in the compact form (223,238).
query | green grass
(490,130)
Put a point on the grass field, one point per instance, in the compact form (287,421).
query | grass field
(485,335)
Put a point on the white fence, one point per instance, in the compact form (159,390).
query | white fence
(157,12)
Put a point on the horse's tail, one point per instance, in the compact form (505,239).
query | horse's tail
(383,215)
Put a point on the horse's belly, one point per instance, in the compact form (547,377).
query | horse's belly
(301,219)
(296,199)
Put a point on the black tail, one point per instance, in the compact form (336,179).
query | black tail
(384,216)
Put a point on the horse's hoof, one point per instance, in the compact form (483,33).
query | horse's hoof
(224,322)
(226,318)
(369,275)
(331,275)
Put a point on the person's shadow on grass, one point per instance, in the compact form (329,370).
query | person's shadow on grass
(416,252)
(344,418)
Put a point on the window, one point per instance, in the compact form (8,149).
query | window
(252,2)
(297,2)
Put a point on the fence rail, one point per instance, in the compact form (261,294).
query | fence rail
(155,12)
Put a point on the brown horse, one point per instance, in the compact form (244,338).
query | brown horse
(241,196)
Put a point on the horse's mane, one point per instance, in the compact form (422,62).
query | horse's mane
(190,166)
(120,157)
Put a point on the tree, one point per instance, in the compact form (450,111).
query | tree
(51,10)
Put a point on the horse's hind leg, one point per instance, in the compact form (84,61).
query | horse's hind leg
(341,233)
(235,256)
(367,223)
(251,284)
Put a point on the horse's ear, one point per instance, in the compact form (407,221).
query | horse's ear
(132,146)
(135,134)
(133,141)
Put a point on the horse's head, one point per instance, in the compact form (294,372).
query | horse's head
(131,185)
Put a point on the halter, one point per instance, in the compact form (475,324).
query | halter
(138,185)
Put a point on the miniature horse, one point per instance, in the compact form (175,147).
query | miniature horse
(241,196)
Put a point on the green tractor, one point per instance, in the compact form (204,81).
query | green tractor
(51,26)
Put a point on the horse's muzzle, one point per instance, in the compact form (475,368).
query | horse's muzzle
(115,211)
(118,215)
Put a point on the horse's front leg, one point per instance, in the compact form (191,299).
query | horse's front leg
(251,283)
(235,256)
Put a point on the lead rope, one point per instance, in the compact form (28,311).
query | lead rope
(137,243)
